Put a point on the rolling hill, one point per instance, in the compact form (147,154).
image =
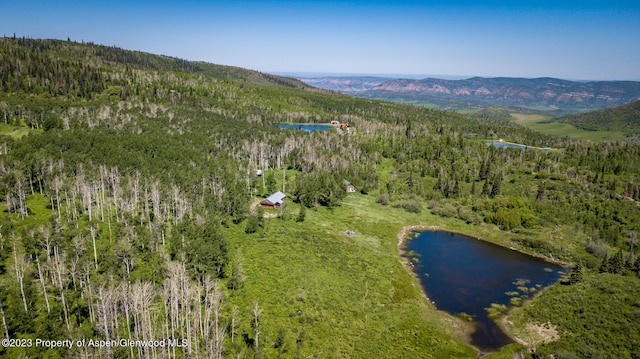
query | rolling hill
(622,118)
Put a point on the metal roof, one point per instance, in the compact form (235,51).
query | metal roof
(276,198)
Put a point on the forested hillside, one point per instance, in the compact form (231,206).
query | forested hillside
(127,181)
(622,118)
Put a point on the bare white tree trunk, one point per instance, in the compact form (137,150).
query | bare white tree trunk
(93,228)
(234,322)
(4,322)
(216,301)
(135,191)
(256,312)
(86,283)
(44,288)
(126,303)
(103,306)
(142,298)
(20,266)
(78,248)
(60,270)
(114,177)
(22,197)
(284,179)
(155,200)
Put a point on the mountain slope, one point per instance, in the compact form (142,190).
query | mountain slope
(60,67)
(622,118)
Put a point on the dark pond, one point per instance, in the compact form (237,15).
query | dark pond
(465,275)
(306,126)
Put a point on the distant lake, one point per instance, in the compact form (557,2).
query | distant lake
(306,126)
(513,145)
(466,275)
(503,144)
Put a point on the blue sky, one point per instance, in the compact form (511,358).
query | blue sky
(589,40)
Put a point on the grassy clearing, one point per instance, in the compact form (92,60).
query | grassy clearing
(15,131)
(344,292)
(337,295)
(543,124)
(39,212)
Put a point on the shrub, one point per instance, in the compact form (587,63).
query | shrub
(468,215)
(443,209)
(412,205)
(383,199)
(596,249)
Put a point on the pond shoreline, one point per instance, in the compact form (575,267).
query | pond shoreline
(462,328)
(407,233)
(502,143)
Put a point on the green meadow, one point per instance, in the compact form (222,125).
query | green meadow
(16,131)
(543,123)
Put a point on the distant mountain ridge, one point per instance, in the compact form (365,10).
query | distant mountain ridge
(542,94)
(347,84)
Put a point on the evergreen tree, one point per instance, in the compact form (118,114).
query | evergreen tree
(270,179)
(576,274)
(237,275)
(541,195)
(604,265)
(206,250)
(301,214)
(497,186)
(252,224)
(616,263)
(486,188)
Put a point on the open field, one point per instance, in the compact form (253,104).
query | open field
(15,131)
(342,292)
(543,124)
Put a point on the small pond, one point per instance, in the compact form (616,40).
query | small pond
(514,145)
(306,126)
(466,275)
(505,144)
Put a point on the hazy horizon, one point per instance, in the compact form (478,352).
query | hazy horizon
(311,75)
(589,40)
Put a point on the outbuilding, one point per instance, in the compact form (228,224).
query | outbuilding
(274,201)
(349,186)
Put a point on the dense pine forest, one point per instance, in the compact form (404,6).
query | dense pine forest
(128,191)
